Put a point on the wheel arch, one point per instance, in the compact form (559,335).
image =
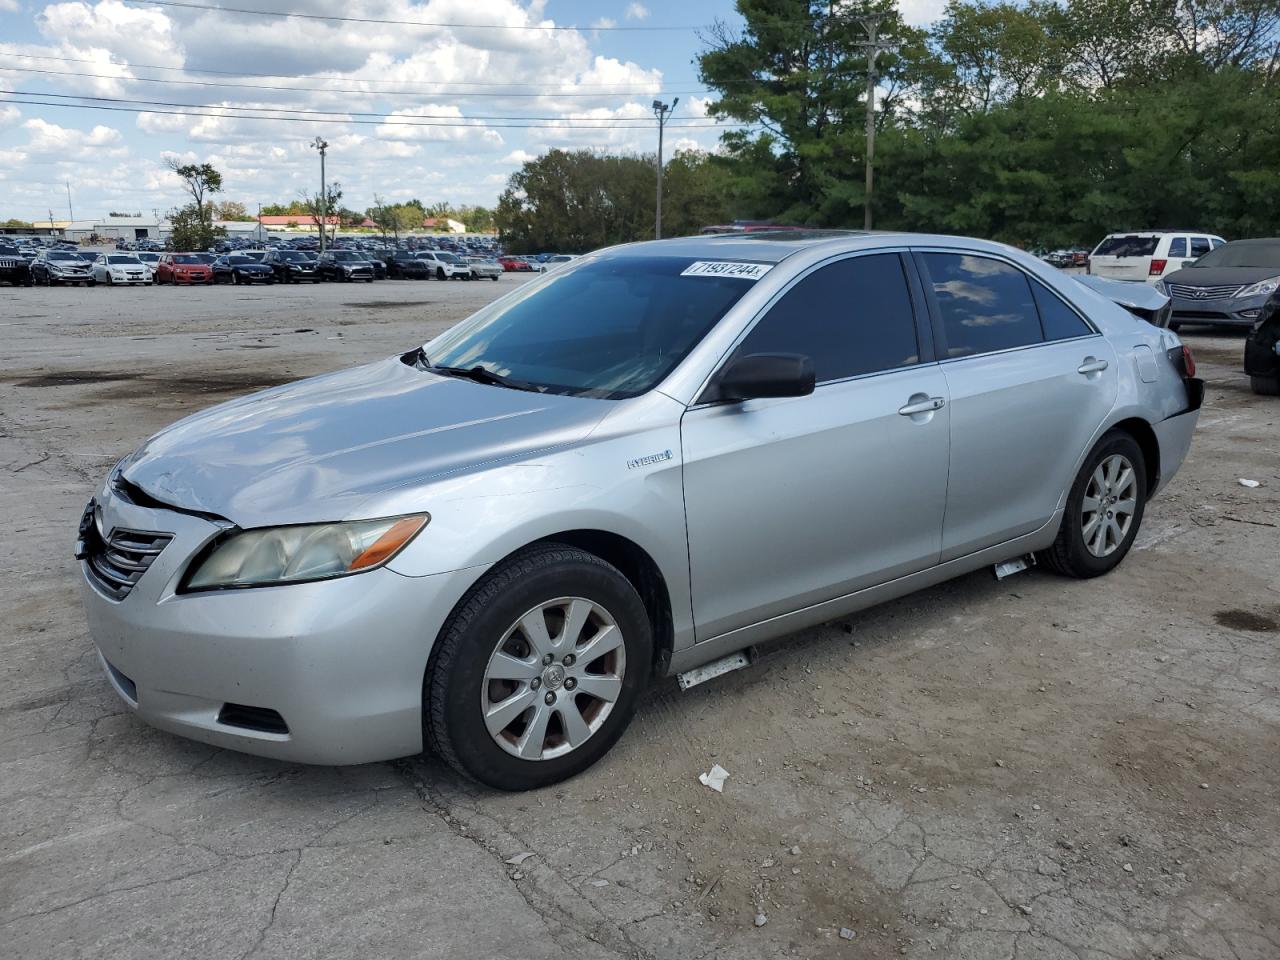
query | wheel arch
(1145,436)
(633,561)
(641,570)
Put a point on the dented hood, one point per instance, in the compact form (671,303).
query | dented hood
(320,449)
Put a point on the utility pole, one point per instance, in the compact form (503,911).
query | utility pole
(874,46)
(322,146)
(663,112)
(71,213)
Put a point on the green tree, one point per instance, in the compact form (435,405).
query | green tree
(201,180)
(321,207)
(191,229)
(231,210)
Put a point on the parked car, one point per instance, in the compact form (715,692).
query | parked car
(515,264)
(1149,255)
(483,267)
(1262,349)
(344,265)
(188,268)
(150,258)
(406,266)
(1227,287)
(234,268)
(551,260)
(494,542)
(290,266)
(444,265)
(121,268)
(14,267)
(53,266)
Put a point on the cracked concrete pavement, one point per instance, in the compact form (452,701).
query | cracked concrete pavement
(1035,768)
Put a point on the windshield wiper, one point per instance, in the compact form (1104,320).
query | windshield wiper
(480,375)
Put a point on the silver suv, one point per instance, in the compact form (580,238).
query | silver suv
(645,462)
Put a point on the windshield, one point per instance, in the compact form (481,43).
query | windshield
(291,255)
(240,260)
(130,260)
(186,258)
(1245,254)
(446,257)
(609,328)
(346,256)
(63,255)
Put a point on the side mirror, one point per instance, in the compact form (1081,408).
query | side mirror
(760,375)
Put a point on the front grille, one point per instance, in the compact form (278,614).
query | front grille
(117,563)
(1183,291)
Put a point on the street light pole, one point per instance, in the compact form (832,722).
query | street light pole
(662,111)
(322,146)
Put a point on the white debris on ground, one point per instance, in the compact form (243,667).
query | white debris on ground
(1249,483)
(715,779)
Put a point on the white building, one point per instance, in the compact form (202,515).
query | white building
(147,228)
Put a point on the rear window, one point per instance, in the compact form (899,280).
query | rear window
(1127,247)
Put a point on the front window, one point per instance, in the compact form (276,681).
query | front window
(187,258)
(290,256)
(125,261)
(346,256)
(609,328)
(240,261)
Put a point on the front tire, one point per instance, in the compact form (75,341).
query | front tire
(1265,386)
(537,672)
(1104,510)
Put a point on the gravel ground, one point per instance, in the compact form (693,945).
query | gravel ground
(1035,768)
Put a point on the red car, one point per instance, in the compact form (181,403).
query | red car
(515,265)
(186,268)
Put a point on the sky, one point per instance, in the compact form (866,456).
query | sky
(394,101)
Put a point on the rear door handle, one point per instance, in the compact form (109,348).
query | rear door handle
(1091,365)
(927,405)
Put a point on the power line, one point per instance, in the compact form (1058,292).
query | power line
(294,89)
(569,124)
(547,28)
(288,76)
(480,118)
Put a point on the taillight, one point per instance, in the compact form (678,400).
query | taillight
(1157,267)
(1188,362)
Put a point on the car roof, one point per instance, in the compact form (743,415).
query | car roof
(774,247)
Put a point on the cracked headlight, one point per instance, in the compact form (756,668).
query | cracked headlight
(297,554)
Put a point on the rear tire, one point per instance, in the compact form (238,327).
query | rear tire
(458,687)
(1266,386)
(1092,542)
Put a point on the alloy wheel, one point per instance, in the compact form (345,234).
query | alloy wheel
(1110,499)
(553,678)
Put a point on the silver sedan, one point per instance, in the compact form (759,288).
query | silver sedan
(645,463)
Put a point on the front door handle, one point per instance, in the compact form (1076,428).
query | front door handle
(927,405)
(1091,365)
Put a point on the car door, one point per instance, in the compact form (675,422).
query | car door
(793,501)
(1030,381)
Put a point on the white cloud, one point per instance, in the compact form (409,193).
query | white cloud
(518,157)
(8,6)
(9,115)
(604,23)
(637,11)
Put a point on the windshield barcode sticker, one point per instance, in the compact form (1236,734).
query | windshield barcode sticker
(723,268)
